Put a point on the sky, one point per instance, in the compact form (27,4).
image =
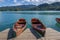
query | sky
(25,2)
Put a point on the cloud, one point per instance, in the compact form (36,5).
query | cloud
(37,2)
(28,0)
(15,1)
(34,2)
(50,1)
(18,4)
(1,0)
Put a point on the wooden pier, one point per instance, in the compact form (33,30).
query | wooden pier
(51,34)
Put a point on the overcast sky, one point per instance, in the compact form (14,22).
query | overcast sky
(24,2)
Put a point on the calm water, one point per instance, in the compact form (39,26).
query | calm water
(8,18)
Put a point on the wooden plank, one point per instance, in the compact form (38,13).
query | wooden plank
(51,34)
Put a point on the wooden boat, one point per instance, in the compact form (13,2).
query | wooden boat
(19,26)
(58,20)
(38,26)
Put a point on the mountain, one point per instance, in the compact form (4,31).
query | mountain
(15,8)
(24,6)
(46,6)
(56,4)
(41,7)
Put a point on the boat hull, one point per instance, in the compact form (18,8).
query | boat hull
(18,30)
(58,20)
(40,32)
(36,21)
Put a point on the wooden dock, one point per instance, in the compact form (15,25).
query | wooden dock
(51,34)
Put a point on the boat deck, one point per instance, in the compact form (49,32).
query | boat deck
(30,34)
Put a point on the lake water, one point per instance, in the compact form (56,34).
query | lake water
(8,18)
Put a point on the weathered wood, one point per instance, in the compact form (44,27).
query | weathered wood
(51,34)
